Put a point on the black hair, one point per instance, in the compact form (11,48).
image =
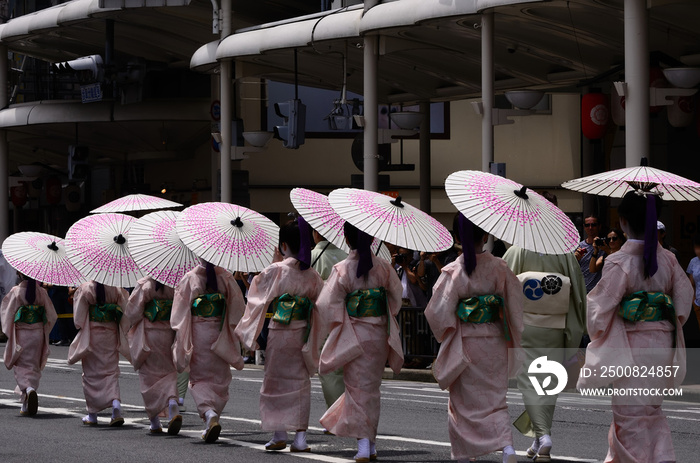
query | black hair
(620,234)
(478,233)
(351,234)
(289,233)
(633,208)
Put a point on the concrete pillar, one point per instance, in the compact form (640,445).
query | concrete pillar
(637,78)
(487,88)
(371,133)
(424,155)
(4,151)
(226,108)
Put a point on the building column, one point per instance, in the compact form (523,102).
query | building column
(424,158)
(637,78)
(371,133)
(226,108)
(4,150)
(487,89)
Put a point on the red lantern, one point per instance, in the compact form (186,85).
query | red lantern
(19,195)
(595,115)
(680,113)
(53,190)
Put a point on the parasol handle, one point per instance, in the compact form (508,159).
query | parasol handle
(52,246)
(521,193)
(120,239)
(237,222)
(397,202)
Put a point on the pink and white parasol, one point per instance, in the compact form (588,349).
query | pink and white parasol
(230,236)
(98,246)
(390,220)
(316,209)
(135,202)
(617,183)
(511,212)
(42,257)
(158,250)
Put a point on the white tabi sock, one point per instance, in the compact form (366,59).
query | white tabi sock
(509,454)
(209,416)
(155,423)
(116,409)
(279,436)
(300,440)
(362,448)
(173,409)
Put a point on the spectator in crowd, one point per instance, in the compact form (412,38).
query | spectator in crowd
(603,247)
(661,230)
(8,279)
(325,255)
(693,272)
(585,251)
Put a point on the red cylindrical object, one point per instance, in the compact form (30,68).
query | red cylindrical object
(53,190)
(595,115)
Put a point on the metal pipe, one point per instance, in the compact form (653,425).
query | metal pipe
(424,158)
(109,42)
(487,88)
(226,109)
(371,133)
(637,78)
(4,150)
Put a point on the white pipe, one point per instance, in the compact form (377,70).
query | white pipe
(637,78)
(226,109)
(487,86)
(371,133)
(4,151)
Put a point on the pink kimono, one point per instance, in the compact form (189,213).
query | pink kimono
(359,345)
(151,345)
(206,344)
(27,347)
(474,362)
(98,345)
(285,396)
(639,432)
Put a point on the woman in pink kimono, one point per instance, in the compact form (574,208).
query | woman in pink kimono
(207,306)
(97,313)
(27,316)
(288,291)
(151,342)
(476,314)
(358,306)
(635,318)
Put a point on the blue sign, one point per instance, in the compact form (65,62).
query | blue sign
(91,93)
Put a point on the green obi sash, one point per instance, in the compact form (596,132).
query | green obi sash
(366,302)
(30,314)
(158,310)
(482,309)
(209,305)
(105,313)
(642,306)
(287,308)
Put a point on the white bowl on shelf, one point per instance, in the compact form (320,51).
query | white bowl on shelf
(524,99)
(683,77)
(257,139)
(406,120)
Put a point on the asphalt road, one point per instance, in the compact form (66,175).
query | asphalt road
(413,426)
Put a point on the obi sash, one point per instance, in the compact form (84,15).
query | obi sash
(209,305)
(367,302)
(482,309)
(642,306)
(30,314)
(287,308)
(158,310)
(479,309)
(105,313)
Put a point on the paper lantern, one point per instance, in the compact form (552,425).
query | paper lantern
(53,190)
(18,194)
(680,113)
(595,115)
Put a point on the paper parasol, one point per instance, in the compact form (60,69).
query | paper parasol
(617,183)
(230,236)
(511,212)
(98,246)
(390,220)
(42,257)
(316,209)
(135,202)
(158,250)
